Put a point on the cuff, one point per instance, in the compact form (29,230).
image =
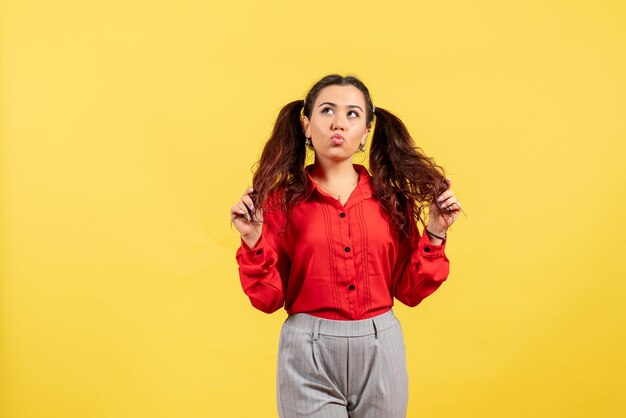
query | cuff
(262,254)
(252,255)
(424,247)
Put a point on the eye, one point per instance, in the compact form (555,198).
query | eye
(356,114)
(326,109)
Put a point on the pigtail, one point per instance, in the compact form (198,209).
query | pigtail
(281,167)
(404,179)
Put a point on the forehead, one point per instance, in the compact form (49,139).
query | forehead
(341,96)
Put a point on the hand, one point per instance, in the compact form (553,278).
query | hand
(247,219)
(444,212)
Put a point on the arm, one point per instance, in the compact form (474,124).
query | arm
(263,263)
(422,267)
(262,270)
(422,264)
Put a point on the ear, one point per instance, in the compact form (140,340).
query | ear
(367,132)
(306,126)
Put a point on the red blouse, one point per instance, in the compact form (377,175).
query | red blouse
(338,262)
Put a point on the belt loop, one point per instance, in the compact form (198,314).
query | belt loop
(316,329)
(375,329)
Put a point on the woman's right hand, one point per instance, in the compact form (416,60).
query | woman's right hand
(247,219)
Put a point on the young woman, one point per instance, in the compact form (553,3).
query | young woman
(334,245)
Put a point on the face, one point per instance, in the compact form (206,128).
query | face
(338,122)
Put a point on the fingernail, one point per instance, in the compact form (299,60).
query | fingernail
(440,199)
(251,207)
(248,218)
(242,212)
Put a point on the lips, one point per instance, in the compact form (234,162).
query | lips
(337,139)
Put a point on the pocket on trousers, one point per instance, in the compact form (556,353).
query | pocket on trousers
(295,353)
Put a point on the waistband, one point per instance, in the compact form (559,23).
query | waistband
(357,328)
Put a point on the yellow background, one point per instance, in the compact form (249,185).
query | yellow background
(129,128)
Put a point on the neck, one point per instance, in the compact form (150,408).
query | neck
(335,173)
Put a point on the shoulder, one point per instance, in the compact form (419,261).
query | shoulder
(274,200)
(274,216)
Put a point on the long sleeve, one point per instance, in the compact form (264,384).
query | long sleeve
(264,269)
(422,267)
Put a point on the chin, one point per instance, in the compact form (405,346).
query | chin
(338,158)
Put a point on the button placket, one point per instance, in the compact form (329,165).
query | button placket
(347,248)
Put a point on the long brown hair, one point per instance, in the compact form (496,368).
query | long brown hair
(404,179)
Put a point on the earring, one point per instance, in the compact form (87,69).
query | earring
(362,147)
(308,143)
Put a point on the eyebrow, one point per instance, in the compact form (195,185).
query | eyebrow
(334,105)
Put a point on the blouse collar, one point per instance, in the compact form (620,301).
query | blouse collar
(364,184)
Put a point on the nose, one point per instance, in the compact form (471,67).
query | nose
(339,122)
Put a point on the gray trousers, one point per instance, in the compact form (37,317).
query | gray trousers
(333,369)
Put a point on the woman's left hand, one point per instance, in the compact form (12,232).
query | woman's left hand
(444,212)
